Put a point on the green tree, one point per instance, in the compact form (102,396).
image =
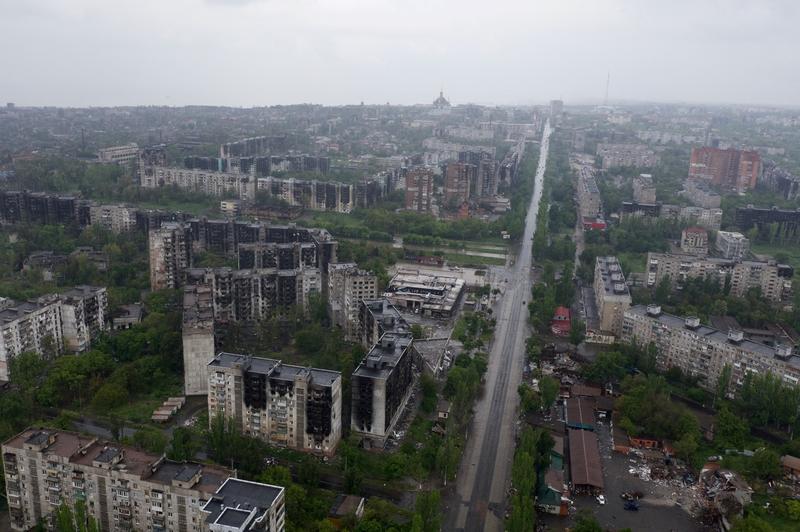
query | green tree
(548,389)
(686,447)
(427,508)
(109,396)
(151,440)
(183,446)
(751,523)
(730,430)
(765,464)
(586,522)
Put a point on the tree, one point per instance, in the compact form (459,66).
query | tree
(577,331)
(765,464)
(109,396)
(417,332)
(183,445)
(151,440)
(586,522)
(686,447)
(751,523)
(723,382)
(663,289)
(730,430)
(548,388)
(427,508)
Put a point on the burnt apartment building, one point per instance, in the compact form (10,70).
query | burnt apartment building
(170,249)
(419,189)
(381,386)
(125,488)
(198,337)
(42,208)
(285,405)
(457,180)
(787,221)
(780,180)
(376,317)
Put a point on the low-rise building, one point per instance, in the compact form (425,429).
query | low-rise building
(701,194)
(611,293)
(732,245)
(125,154)
(115,218)
(701,351)
(127,489)
(425,293)
(620,155)
(285,405)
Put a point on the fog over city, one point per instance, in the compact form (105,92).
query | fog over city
(266,52)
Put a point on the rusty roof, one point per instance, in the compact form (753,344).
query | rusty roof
(584,459)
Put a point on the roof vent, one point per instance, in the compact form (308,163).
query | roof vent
(735,335)
(654,310)
(692,322)
(783,351)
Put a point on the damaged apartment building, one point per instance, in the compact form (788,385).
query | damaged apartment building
(382,382)
(279,267)
(285,405)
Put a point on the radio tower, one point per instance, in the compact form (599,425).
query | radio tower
(608,80)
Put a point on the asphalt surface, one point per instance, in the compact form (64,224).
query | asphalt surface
(478,502)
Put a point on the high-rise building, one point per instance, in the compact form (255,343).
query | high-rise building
(703,352)
(644,191)
(170,254)
(124,154)
(612,294)
(419,189)
(457,180)
(377,317)
(124,488)
(84,314)
(732,245)
(198,338)
(348,286)
(733,169)
(285,405)
(694,241)
(381,386)
(115,218)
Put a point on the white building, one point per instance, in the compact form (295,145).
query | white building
(348,285)
(612,294)
(115,218)
(170,254)
(703,352)
(731,245)
(694,241)
(285,405)
(210,183)
(125,154)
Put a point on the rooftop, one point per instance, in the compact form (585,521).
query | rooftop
(611,276)
(584,458)
(384,355)
(275,369)
(243,497)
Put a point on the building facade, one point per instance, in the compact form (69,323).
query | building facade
(694,241)
(457,179)
(198,338)
(115,218)
(644,191)
(122,487)
(419,189)
(348,286)
(621,155)
(733,169)
(125,154)
(170,254)
(702,352)
(285,405)
(611,293)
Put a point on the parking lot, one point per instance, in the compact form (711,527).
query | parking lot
(657,511)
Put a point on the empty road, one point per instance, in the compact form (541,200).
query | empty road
(483,477)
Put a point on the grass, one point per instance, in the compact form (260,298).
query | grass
(792,252)
(632,262)
(458,259)
(140,409)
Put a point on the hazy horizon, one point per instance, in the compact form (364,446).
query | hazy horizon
(254,53)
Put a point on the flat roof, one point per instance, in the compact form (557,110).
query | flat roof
(612,277)
(384,355)
(584,459)
(241,495)
(275,369)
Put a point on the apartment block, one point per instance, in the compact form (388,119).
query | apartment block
(115,218)
(314,195)
(377,317)
(644,191)
(701,351)
(694,241)
(733,169)
(589,199)
(419,189)
(425,293)
(125,154)
(124,488)
(170,254)
(206,182)
(611,293)
(348,286)
(51,324)
(620,155)
(771,279)
(381,386)
(701,194)
(197,332)
(285,405)
(457,180)
(84,314)
(733,246)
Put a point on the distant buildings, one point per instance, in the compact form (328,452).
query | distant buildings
(733,246)
(51,324)
(787,221)
(644,191)
(732,169)
(771,279)
(702,352)
(125,488)
(441,102)
(425,294)
(114,218)
(700,193)
(556,109)
(611,293)
(125,154)
(694,241)
(710,219)
(419,189)
(780,180)
(348,286)
(314,195)
(285,405)
(198,338)
(620,155)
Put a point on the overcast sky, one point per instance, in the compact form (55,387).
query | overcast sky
(266,52)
